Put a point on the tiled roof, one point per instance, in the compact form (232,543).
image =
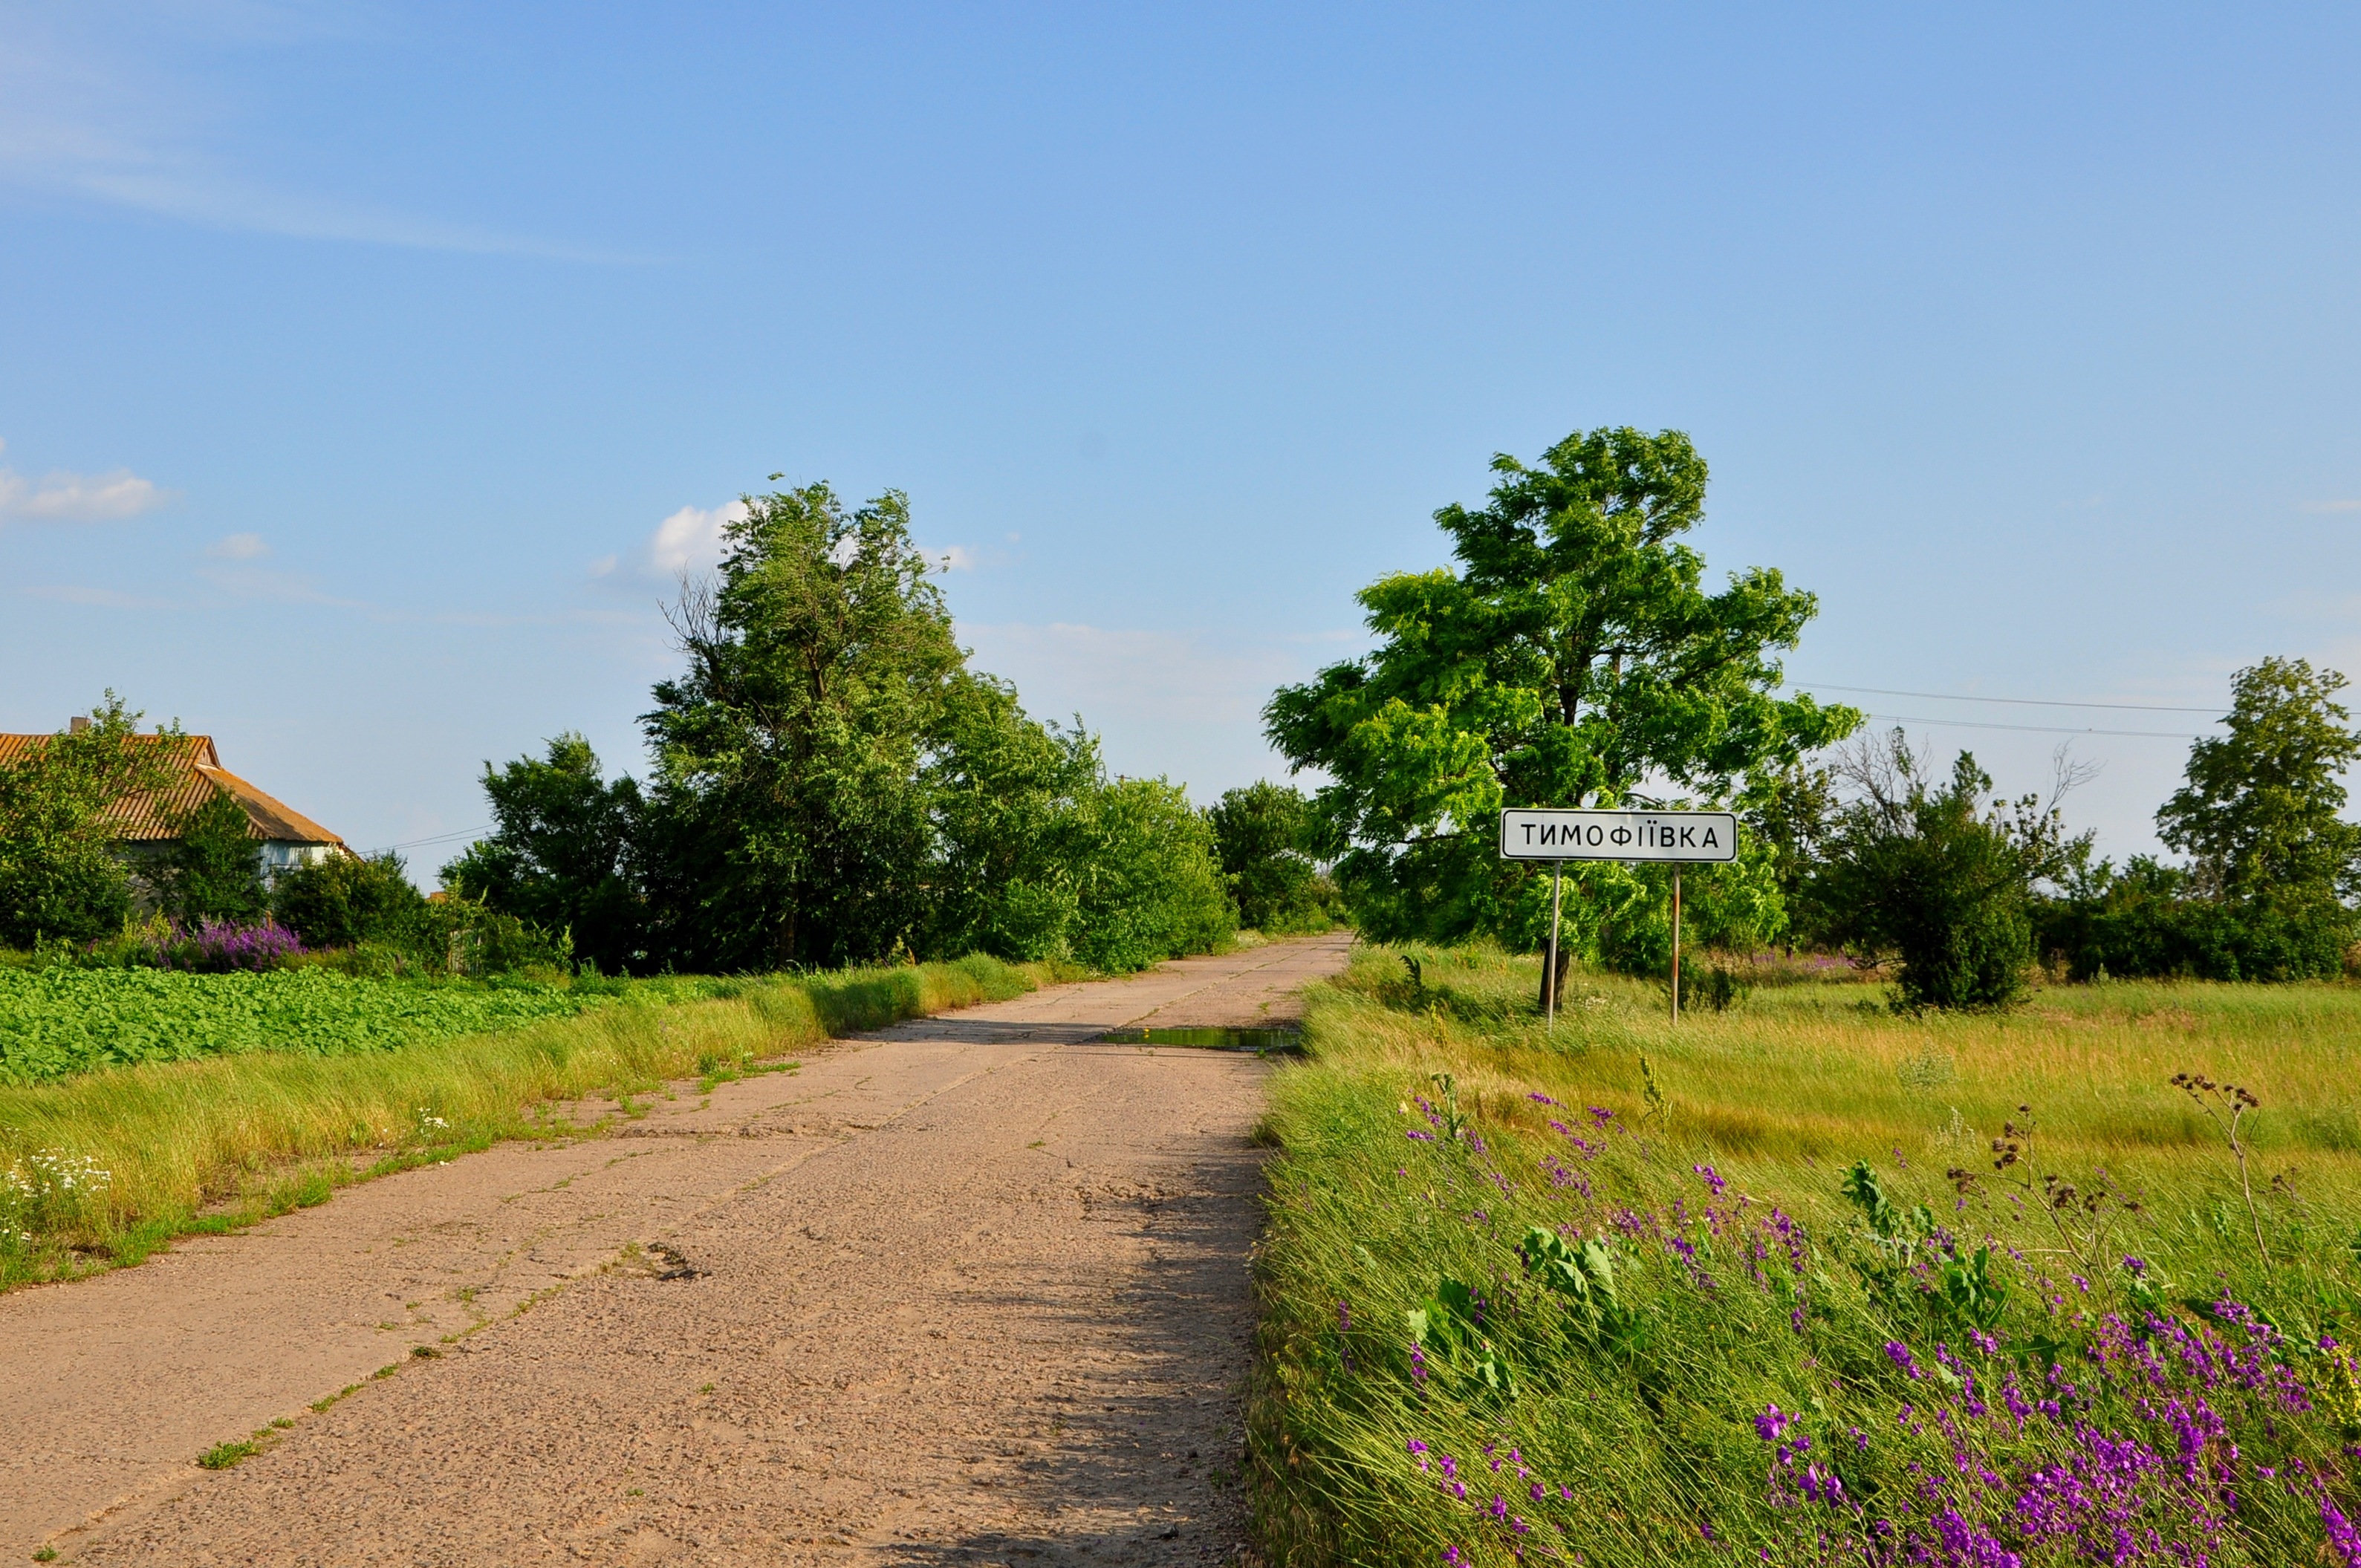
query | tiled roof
(198,773)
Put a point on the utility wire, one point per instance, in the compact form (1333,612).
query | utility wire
(2042,728)
(438,839)
(2016,701)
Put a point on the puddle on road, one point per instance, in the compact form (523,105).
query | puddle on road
(1262,1042)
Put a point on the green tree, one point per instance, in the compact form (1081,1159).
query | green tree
(1925,875)
(2258,816)
(1147,884)
(62,873)
(212,869)
(790,819)
(345,900)
(1002,789)
(1572,657)
(1260,832)
(1790,813)
(560,855)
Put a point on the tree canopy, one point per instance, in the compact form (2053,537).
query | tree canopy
(61,876)
(788,754)
(1573,657)
(2260,811)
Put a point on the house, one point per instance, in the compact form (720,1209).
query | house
(288,836)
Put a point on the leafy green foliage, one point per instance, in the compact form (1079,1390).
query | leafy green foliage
(558,856)
(1147,884)
(834,784)
(57,1022)
(2148,920)
(60,875)
(2258,813)
(387,928)
(214,870)
(1918,873)
(2273,869)
(345,900)
(1003,793)
(1573,657)
(1261,832)
(790,825)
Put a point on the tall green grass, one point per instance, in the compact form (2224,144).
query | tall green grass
(1630,1394)
(102,1169)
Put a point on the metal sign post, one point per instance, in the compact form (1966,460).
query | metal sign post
(1549,985)
(1676,945)
(1675,837)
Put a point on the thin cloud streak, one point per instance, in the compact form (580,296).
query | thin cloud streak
(79,121)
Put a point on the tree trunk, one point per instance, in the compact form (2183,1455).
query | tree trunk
(1564,962)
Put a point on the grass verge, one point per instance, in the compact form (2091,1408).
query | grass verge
(100,1170)
(1633,1294)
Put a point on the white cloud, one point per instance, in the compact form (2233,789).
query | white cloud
(62,496)
(238,547)
(2330,506)
(690,539)
(952,558)
(605,565)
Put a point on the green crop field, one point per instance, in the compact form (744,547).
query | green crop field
(1751,1289)
(55,1023)
(246,1095)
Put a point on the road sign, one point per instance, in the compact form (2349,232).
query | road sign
(1677,836)
(1681,838)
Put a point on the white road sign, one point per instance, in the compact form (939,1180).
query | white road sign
(1550,835)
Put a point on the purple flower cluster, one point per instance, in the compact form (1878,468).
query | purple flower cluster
(217,947)
(2150,1435)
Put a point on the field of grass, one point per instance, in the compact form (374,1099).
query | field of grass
(102,1168)
(1603,1295)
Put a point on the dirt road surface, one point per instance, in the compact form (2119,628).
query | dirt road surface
(967,1290)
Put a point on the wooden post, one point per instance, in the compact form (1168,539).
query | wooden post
(1549,981)
(1677,946)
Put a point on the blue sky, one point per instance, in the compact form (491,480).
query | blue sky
(365,369)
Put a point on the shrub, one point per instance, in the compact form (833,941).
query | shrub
(1262,833)
(2144,921)
(213,871)
(345,900)
(1915,871)
(61,876)
(1147,884)
(386,926)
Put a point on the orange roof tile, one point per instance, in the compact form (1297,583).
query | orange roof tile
(149,818)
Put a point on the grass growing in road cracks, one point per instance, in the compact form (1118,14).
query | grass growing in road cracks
(103,1169)
(1635,1294)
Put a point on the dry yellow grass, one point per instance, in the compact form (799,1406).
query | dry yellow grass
(1798,1076)
(104,1168)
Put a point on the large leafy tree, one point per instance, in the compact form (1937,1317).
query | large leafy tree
(1261,830)
(2260,812)
(1573,657)
(790,818)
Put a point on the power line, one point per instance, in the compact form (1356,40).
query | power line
(438,839)
(2041,729)
(2018,701)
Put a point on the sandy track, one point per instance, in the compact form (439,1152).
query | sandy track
(968,1290)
